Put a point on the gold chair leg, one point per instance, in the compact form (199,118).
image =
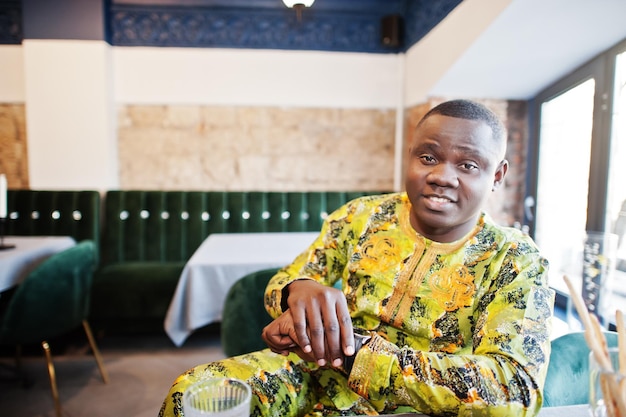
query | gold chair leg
(53,379)
(96,351)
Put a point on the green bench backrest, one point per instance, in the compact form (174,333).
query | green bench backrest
(54,213)
(170,225)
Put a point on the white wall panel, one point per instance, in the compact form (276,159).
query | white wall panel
(256,77)
(70,114)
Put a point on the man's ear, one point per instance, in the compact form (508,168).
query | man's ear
(501,170)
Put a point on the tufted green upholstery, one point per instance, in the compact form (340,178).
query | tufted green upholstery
(148,236)
(168,226)
(54,213)
(53,299)
(144,238)
(567,381)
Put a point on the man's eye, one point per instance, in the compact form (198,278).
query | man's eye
(469,166)
(427,159)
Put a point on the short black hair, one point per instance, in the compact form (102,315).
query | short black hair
(468,109)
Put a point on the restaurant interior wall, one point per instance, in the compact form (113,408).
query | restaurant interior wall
(332,123)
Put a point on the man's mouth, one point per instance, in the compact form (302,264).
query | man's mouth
(437,202)
(438,199)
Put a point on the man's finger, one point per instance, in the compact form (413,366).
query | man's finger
(347,331)
(317,336)
(300,328)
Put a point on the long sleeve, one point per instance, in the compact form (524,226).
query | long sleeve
(323,261)
(502,375)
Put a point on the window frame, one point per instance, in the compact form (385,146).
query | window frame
(602,69)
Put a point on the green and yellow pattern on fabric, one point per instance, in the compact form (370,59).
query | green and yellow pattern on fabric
(459,328)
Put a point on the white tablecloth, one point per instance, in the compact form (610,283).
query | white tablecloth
(217,264)
(29,252)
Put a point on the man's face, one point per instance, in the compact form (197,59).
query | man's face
(454,164)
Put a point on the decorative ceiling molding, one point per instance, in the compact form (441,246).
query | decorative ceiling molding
(330,25)
(133,25)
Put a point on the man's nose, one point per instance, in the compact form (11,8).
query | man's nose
(444,175)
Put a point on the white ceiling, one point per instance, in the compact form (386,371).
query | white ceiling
(532,44)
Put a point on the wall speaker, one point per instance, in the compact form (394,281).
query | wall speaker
(391,31)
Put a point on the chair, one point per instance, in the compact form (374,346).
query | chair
(244,315)
(51,301)
(567,381)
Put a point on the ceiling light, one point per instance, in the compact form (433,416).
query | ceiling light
(298,5)
(293,3)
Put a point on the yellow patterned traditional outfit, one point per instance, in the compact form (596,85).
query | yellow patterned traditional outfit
(459,328)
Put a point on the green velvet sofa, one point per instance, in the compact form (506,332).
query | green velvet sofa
(147,236)
(144,238)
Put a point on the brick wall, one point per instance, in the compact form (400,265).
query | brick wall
(13,149)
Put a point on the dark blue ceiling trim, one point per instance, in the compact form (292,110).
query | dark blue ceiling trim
(353,6)
(229,27)
(11,22)
(330,25)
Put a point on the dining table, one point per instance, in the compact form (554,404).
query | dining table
(216,265)
(26,253)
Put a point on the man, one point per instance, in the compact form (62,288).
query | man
(440,310)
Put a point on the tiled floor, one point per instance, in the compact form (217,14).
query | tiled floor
(141,370)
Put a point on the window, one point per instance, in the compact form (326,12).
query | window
(579,181)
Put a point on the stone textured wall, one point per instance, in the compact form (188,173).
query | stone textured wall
(268,149)
(255,148)
(13,149)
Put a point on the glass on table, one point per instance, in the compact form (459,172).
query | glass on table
(217,397)
(605,386)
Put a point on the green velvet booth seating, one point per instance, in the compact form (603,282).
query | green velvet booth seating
(54,213)
(148,236)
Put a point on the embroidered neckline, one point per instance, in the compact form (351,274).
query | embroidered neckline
(440,247)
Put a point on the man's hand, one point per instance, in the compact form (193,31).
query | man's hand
(321,322)
(280,335)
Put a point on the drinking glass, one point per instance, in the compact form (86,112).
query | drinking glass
(217,397)
(600,382)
